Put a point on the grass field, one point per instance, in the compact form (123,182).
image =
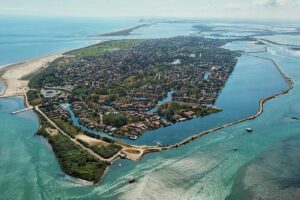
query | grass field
(100,49)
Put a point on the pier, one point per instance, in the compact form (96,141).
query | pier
(20,111)
(26,103)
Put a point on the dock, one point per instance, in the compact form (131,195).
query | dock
(20,111)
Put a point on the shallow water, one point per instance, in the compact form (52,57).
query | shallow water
(272,175)
(23,38)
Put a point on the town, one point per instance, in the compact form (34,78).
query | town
(115,86)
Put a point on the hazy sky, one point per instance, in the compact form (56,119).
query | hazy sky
(276,9)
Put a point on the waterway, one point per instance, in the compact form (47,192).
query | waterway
(207,168)
(239,99)
(168,98)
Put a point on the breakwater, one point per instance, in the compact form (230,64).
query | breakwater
(260,111)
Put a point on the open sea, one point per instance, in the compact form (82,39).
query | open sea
(265,166)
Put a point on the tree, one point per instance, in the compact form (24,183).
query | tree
(115,120)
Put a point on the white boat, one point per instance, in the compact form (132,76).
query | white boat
(133,137)
(132,180)
(249,129)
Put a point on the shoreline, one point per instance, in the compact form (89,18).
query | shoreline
(9,67)
(11,76)
(145,149)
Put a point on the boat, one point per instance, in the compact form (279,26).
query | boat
(122,155)
(133,137)
(132,180)
(249,130)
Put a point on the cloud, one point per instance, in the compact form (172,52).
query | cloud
(276,3)
(264,4)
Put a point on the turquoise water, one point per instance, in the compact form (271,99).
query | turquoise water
(206,168)
(265,179)
(23,38)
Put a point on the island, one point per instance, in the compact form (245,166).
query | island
(295,48)
(114,87)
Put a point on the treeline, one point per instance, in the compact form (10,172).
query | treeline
(106,139)
(46,75)
(75,161)
(115,120)
(105,151)
(34,97)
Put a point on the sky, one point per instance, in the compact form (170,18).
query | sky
(233,9)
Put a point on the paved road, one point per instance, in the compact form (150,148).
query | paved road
(75,141)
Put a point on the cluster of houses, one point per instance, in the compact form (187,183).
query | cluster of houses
(55,111)
(135,129)
(131,81)
(144,121)
(191,113)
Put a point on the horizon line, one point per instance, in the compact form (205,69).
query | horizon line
(157,17)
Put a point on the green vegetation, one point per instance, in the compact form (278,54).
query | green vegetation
(176,110)
(105,47)
(46,75)
(67,127)
(43,125)
(76,161)
(73,160)
(83,143)
(106,151)
(115,120)
(34,97)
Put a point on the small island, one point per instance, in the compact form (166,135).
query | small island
(115,88)
(295,48)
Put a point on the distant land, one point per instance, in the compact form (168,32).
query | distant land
(125,32)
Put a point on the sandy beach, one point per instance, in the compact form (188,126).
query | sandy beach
(12,75)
